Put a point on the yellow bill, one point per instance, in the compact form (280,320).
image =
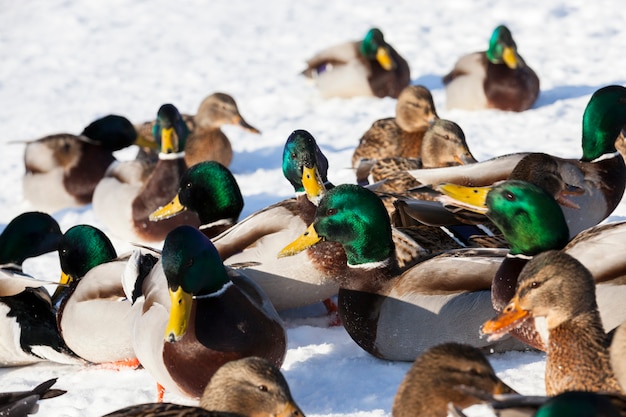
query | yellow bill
(384,59)
(64,281)
(171,209)
(470,198)
(168,141)
(306,240)
(510,58)
(146,143)
(180,313)
(313,184)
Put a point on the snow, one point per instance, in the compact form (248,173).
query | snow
(67,62)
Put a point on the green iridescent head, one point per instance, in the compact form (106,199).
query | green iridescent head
(603,119)
(28,235)
(301,151)
(502,48)
(374,48)
(82,248)
(112,132)
(170,130)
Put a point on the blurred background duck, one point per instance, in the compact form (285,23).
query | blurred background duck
(497,78)
(192,314)
(94,316)
(132,190)
(206,140)
(63,170)
(556,286)
(248,387)
(27,316)
(22,403)
(399,136)
(369,67)
(436,377)
(211,191)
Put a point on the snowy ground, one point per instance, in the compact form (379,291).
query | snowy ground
(67,62)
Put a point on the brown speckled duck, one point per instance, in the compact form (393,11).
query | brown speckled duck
(206,141)
(494,79)
(435,377)
(370,67)
(248,387)
(402,135)
(557,287)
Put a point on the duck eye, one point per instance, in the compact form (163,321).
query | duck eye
(535,284)
(294,155)
(331,211)
(262,388)
(509,196)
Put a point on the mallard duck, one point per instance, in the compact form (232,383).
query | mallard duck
(210,190)
(247,387)
(94,316)
(399,136)
(63,170)
(393,314)
(370,67)
(206,140)
(22,403)
(556,286)
(28,318)
(434,379)
(600,173)
(494,79)
(195,315)
(125,197)
(532,222)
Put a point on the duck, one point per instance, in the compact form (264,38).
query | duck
(600,172)
(369,67)
(206,140)
(27,316)
(131,190)
(192,314)
(63,170)
(388,311)
(246,387)
(497,78)
(434,378)
(399,136)
(557,287)
(22,403)
(93,315)
(211,191)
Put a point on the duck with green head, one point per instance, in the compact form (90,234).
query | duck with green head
(194,314)
(390,313)
(600,173)
(94,316)
(131,190)
(210,190)
(63,170)
(370,67)
(533,222)
(497,78)
(28,320)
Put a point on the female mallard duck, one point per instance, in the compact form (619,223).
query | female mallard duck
(494,79)
(125,197)
(600,173)
(248,387)
(28,322)
(210,190)
(195,315)
(63,170)
(94,316)
(554,285)
(22,403)
(435,377)
(206,140)
(533,222)
(393,314)
(399,136)
(370,67)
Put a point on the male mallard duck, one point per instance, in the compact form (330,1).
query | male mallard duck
(206,140)
(370,67)
(434,379)
(29,326)
(532,222)
(389,313)
(494,79)
(554,285)
(399,136)
(125,197)
(195,315)
(22,403)
(210,190)
(63,170)
(248,387)
(94,316)
(600,173)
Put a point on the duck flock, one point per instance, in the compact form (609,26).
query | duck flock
(195,257)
